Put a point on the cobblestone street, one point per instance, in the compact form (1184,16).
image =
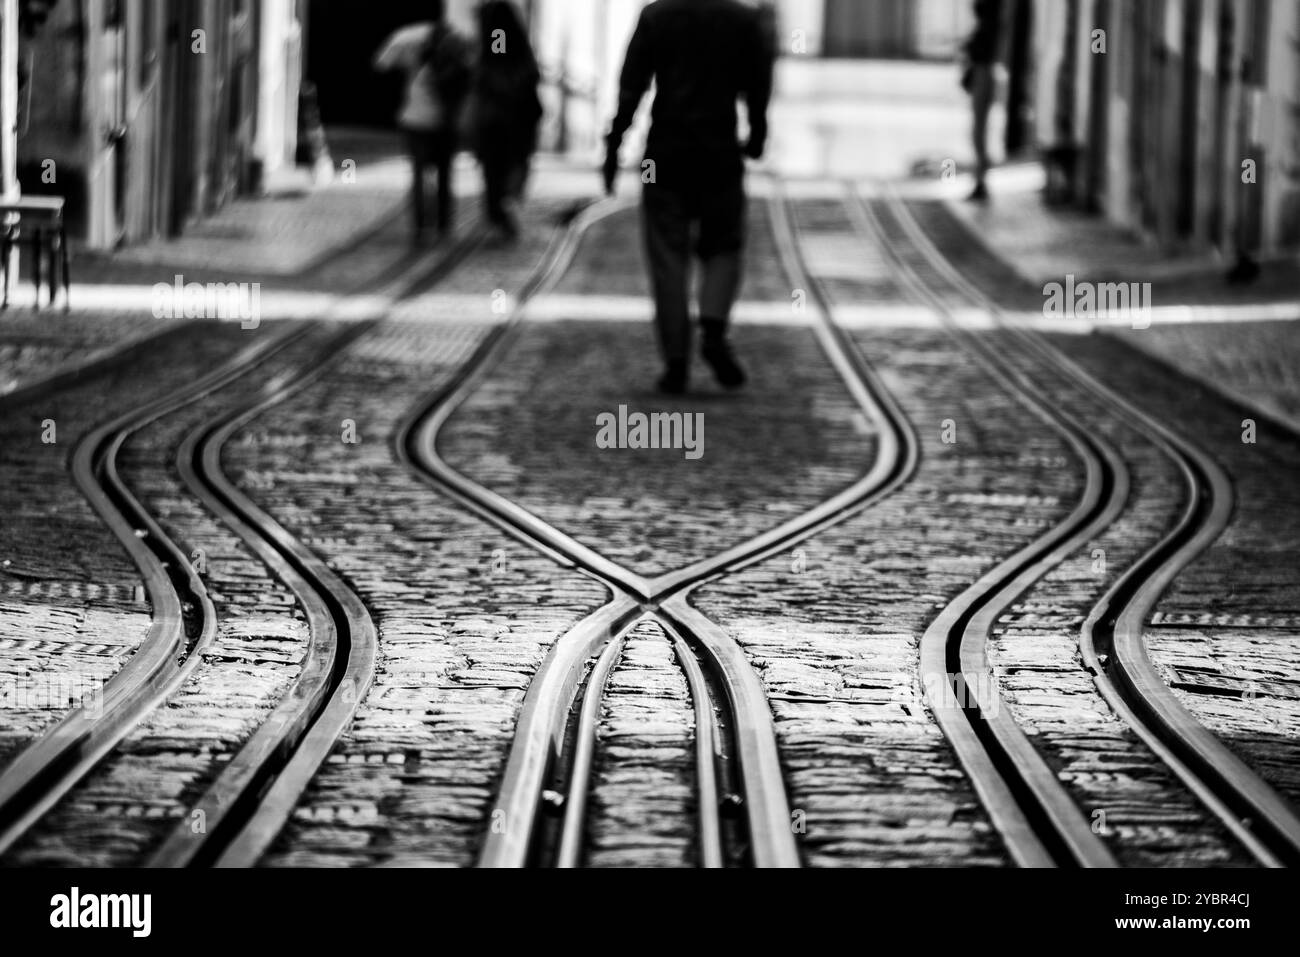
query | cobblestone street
(327,545)
(424,453)
(854,441)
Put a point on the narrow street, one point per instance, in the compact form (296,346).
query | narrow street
(322,548)
(831,610)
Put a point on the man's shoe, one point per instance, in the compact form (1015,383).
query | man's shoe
(717,353)
(675,378)
(725,367)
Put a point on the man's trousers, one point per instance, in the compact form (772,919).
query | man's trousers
(708,216)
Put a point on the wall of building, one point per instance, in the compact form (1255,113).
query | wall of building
(51,133)
(280,67)
(150,124)
(580,44)
(906,29)
(1279,128)
(1186,92)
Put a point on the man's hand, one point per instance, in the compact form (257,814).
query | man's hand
(610,169)
(756,144)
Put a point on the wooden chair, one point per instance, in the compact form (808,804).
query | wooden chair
(40,218)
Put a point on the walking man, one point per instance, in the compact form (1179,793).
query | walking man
(703,56)
(436,61)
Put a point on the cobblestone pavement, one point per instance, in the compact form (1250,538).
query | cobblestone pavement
(1258,363)
(300,231)
(466,614)
(37,345)
(643,792)
(1036,243)
(338,239)
(364,250)
(127,806)
(72,609)
(833,628)
(1223,636)
(1225,633)
(529,432)
(1146,816)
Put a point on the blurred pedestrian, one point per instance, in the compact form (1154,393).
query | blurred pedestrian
(437,63)
(505,111)
(982,54)
(703,55)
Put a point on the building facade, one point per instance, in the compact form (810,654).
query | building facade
(1178,118)
(1182,116)
(880,29)
(148,114)
(580,44)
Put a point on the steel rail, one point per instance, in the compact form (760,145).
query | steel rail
(246,807)
(1038,819)
(708,754)
(573,829)
(1113,636)
(183,617)
(543,719)
(516,829)
(183,620)
(759,779)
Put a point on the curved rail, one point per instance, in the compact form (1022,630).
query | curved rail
(1113,635)
(248,804)
(1038,819)
(183,621)
(537,751)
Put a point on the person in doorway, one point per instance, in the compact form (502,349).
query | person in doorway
(505,111)
(703,56)
(980,81)
(437,64)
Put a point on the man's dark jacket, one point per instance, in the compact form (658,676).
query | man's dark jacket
(702,56)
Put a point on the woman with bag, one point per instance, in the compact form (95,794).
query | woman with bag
(436,62)
(504,112)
